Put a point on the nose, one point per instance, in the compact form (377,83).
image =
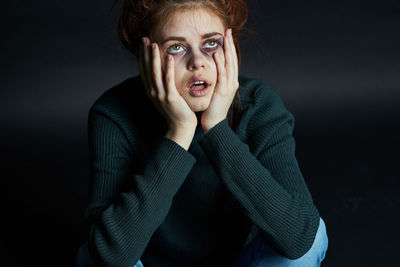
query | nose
(197,61)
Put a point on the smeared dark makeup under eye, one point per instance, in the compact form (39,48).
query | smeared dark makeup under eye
(218,41)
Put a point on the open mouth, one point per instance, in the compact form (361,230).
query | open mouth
(198,86)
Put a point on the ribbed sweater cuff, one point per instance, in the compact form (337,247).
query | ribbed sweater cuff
(287,219)
(220,133)
(171,162)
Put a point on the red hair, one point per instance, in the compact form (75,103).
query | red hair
(138,18)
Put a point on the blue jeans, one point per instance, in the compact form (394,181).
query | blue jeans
(84,259)
(255,254)
(259,254)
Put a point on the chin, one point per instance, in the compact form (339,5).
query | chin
(197,106)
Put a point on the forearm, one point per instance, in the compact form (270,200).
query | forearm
(277,201)
(124,227)
(182,136)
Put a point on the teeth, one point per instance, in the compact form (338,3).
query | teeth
(199,82)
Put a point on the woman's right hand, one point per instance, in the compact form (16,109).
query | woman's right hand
(161,89)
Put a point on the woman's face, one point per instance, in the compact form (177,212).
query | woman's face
(192,37)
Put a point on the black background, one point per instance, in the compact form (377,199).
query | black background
(334,63)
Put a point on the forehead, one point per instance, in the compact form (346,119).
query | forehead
(191,22)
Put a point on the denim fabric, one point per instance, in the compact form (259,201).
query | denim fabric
(259,254)
(254,254)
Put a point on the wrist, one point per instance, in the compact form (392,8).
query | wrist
(209,125)
(181,136)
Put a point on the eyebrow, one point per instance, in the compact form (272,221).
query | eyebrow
(178,38)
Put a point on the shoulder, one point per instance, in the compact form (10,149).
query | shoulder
(126,99)
(251,88)
(119,96)
(263,110)
(126,109)
(260,96)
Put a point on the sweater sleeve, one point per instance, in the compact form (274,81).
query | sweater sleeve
(126,208)
(264,176)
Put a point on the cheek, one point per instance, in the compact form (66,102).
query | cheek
(179,70)
(164,64)
(213,64)
(178,67)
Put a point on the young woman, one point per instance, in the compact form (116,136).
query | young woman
(193,164)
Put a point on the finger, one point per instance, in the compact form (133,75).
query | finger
(232,66)
(146,60)
(157,72)
(141,58)
(220,63)
(147,68)
(142,70)
(234,57)
(228,55)
(170,76)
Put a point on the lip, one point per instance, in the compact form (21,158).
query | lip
(199,92)
(196,78)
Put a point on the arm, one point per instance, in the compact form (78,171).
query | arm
(264,176)
(126,208)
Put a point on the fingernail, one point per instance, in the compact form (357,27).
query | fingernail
(230,31)
(143,40)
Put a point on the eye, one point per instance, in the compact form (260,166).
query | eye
(175,48)
(213,43)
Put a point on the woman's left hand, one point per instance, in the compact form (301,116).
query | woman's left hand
(226,87)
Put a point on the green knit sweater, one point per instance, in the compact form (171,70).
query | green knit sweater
(152,200)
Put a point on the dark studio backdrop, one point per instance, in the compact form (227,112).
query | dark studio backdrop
(335,64)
